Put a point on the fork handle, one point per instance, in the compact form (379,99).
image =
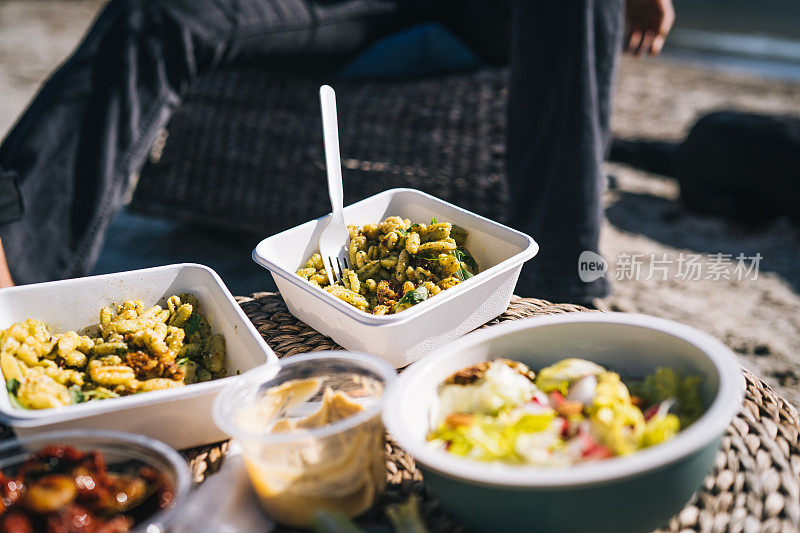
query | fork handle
(330,130)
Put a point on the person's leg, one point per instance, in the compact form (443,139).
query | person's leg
(91,125)
(563,65)
(5,274)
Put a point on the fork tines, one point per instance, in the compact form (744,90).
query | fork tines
(338,274)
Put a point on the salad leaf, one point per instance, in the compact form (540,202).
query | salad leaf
(402,232)
(489,438)
(413,226)
(532,423)
(12,385)
(434,221)
(420,294)
(666,383)
(192,324)
(76,394)
(658,429)
(559,376)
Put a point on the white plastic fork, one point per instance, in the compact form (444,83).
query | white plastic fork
(333,241)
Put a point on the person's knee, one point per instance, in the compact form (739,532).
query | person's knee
(146,15)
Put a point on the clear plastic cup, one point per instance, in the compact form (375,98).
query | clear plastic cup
(338,466)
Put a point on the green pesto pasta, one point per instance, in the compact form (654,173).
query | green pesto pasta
(133,349)
(396,264)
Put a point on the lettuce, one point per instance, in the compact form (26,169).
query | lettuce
(501,387)
(561,375)
(491,438)
(666,383)
(658,429)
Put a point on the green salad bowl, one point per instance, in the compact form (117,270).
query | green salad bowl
(636,492)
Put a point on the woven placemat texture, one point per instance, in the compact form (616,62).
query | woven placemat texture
(754,487)
(244,150)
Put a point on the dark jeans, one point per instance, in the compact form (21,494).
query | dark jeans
(69,158)
(563,62)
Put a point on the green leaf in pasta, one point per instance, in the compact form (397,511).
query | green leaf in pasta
(100,393)
(192,324)
(420,294)
(464,259)
(428,256)
(76,394)
(434,221)
(462,273)
(12,385)
(402,232)
(12,399)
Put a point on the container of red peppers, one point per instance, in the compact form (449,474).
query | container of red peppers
(89,482)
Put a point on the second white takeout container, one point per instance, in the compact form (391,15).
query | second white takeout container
(404,337)
(180,417)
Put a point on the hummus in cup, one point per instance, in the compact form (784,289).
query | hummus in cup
(311,433)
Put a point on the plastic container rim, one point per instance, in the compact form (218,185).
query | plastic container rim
(249,382)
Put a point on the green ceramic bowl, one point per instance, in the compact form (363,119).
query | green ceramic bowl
(638,492)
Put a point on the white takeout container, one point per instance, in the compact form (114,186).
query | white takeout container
(180,417)
(404,337)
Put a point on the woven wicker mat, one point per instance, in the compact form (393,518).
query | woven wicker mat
(754,487)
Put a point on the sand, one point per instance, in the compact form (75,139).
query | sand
(656,99)
(759,319)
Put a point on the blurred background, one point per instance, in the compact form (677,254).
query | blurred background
(722,54)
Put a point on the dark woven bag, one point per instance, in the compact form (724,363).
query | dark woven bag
(245,149)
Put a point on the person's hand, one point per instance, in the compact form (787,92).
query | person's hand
(648,23)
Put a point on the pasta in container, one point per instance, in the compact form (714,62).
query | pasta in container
(133,349)
(396,264)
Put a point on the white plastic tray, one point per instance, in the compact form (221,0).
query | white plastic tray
(179,417)
(405,337)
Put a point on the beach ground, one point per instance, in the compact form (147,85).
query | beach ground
(646,225)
